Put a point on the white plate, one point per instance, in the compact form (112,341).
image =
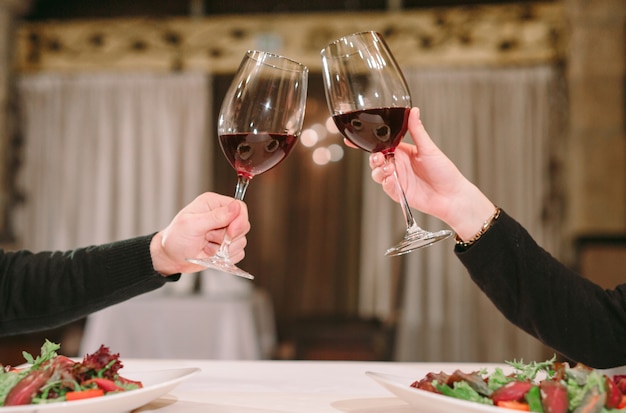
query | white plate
(428,401)
(155,385)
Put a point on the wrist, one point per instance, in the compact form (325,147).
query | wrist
(466,243)
(160,262)
(471,213)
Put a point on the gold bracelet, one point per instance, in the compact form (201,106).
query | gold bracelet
(486,225)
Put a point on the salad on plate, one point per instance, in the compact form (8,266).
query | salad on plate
(548,387)
(50,377)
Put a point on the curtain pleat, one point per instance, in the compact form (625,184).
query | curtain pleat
(110,156)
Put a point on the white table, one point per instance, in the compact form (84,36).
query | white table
(284,386)
(227,326)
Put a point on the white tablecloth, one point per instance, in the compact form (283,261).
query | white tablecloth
(227,326)
(284,386)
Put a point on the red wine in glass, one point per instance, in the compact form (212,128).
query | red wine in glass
(374,130)
(251,154)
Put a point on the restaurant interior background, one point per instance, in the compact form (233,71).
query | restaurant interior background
(108,128)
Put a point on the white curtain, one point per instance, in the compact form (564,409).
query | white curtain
(498,126)
(110,156)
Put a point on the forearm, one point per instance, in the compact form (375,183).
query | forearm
(48,289)
(546,299)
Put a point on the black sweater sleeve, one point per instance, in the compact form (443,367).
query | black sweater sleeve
(564,310)
(48,289)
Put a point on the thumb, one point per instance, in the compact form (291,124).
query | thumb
(418,132)
(349,144)
(416,127)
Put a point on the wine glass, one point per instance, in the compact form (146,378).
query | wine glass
(370,103)
(259,123)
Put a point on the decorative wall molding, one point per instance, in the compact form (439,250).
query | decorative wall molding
(9,137)
(473,35)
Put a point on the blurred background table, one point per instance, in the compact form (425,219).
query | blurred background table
(236,325)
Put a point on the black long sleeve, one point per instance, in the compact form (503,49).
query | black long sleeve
(533,290)
(48,289)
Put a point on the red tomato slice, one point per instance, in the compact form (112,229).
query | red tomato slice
(513,405)
(104,384)
(84,394)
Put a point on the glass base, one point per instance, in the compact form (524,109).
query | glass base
(417,239)
(221,264)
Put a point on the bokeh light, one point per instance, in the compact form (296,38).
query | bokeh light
(330,126)
(321,130)
(336,152)
(309,138)
(321,155)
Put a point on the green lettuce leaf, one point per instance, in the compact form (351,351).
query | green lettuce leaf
(48,352)
(462,390)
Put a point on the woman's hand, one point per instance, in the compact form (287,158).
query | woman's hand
(432,183)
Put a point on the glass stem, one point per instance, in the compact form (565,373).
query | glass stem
(240,191)
(411,225)
(242,185)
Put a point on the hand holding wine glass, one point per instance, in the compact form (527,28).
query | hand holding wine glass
(259,123)
(370,103)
